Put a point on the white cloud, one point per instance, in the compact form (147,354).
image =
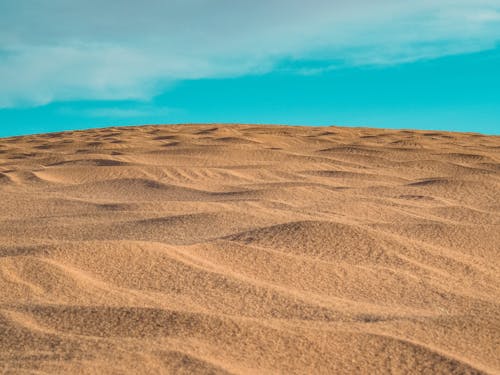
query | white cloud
(486,16)
(127,49)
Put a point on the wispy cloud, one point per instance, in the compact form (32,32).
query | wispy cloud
(133,50)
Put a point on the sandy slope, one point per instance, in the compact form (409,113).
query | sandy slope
(250,249)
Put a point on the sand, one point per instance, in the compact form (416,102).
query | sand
(250,249)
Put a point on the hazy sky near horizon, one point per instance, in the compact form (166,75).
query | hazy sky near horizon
(403,64)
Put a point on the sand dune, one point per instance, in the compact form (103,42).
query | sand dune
(250,249)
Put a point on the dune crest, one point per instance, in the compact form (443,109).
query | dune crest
(240,249)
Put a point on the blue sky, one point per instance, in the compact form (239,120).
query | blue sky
(393,64)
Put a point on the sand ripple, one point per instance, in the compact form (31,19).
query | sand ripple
(250,249)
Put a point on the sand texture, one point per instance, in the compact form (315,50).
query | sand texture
(250,249)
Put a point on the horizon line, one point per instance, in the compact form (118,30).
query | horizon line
(247,124)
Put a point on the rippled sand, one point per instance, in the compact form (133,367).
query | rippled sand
(250,249)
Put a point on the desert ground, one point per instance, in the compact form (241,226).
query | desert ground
(249,249)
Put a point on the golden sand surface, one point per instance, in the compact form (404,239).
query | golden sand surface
(250,249)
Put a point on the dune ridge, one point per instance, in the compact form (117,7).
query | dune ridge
(239,249)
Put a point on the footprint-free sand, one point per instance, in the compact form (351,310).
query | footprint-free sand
(250,249)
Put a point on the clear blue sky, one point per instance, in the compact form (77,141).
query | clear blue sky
(388,65)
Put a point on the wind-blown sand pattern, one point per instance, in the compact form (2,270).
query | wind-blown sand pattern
(250,249)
